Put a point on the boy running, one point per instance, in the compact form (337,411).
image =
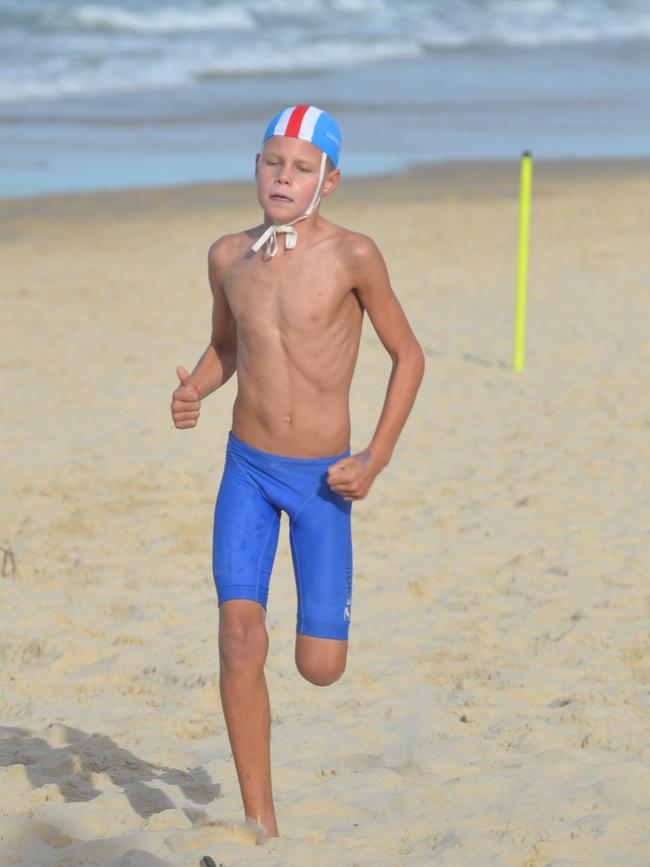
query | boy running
(288,302)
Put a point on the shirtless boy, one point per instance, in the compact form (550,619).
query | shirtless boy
(288,302)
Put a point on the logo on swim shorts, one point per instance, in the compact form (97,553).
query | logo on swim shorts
(346,610)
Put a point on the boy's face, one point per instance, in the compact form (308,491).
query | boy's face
(287,173)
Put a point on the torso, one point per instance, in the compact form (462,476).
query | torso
(298,331)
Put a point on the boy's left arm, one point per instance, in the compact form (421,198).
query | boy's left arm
(352,476)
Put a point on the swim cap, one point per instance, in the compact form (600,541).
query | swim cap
(308,123)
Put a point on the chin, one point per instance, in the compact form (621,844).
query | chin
(283,213)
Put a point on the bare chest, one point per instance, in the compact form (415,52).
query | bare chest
(291,295)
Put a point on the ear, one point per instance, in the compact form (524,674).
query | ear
(257,162)
(330,183)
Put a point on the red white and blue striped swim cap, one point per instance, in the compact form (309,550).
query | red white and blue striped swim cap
(311,124)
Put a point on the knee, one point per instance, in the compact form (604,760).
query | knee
(319,673)
(243,645)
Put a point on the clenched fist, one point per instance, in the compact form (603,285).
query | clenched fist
(186,401)
(352,476)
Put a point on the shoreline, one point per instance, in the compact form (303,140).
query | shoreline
(449,177)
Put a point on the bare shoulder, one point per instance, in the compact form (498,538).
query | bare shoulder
(359,250)
(223,252)
(360,256)
(225,255)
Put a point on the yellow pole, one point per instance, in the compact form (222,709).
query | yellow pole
(522,260)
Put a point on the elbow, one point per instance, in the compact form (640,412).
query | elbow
(227,355)
(229,362)
(413,357)
(419,356)
(419,366)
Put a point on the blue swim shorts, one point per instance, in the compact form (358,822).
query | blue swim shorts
(255,488)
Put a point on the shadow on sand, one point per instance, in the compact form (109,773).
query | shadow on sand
(68,758)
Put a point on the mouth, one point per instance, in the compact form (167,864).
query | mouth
(278,197)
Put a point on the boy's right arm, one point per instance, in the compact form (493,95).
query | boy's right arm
(219,361)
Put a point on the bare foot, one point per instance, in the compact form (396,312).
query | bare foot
(263,833)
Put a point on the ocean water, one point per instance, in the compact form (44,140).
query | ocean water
(115,94)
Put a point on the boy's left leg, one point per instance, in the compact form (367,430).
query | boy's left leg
(320,660)
(321,548)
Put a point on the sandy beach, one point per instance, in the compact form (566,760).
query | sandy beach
(496,705)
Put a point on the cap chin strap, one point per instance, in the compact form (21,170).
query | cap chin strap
(270,235)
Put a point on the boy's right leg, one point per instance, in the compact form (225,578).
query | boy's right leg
(246,529)
(243,646)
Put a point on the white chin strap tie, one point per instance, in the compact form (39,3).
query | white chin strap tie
(270,235)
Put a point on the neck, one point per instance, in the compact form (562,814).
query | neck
(305,225)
